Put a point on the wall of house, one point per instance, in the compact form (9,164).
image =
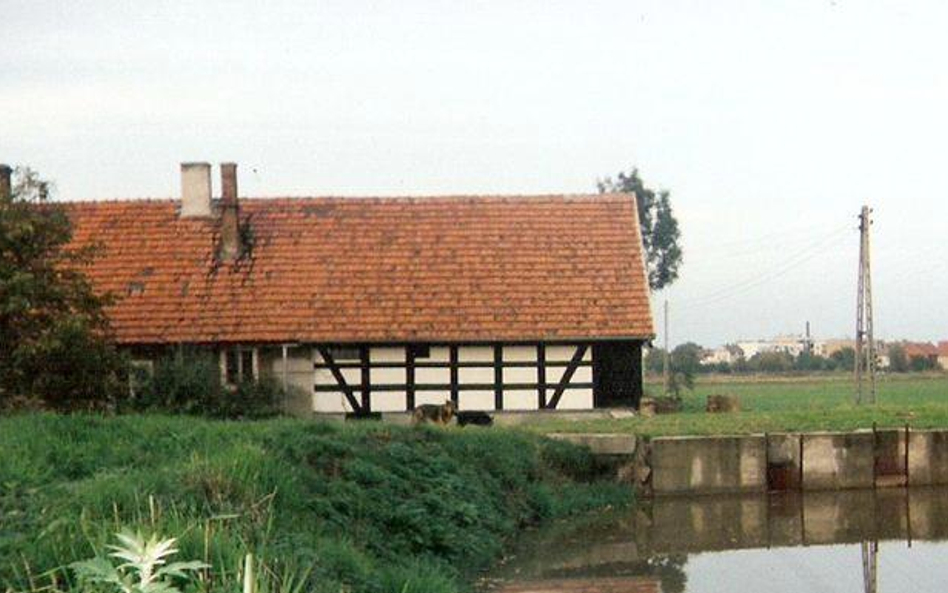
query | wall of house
(475,374)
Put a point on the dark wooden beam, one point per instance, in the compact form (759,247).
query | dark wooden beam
(446,387)
(453,363)
(498,377)
(366,379)
(340,379)
(410,378)
(567,377)
(541,376)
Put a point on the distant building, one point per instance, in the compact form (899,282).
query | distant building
(924,350)
(943,354)
(727,354)
(793,345)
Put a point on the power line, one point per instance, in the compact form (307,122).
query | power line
(795,261)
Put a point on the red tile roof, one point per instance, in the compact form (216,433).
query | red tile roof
(920,349)
(374,270)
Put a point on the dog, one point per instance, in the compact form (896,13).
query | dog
(474,419)
(437,414)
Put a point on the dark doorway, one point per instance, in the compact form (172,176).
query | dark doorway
(617,374)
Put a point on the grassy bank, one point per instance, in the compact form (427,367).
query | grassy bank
(340,507)
(790,403)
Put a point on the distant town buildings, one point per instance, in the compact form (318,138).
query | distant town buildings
(795,345)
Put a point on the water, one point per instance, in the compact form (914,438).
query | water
(887,540)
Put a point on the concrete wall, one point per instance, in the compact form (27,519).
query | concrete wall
(707,465)
(757,463)
(928,457)
(834,461)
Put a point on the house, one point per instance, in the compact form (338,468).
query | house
(925,350)
(382,304)
(943,354)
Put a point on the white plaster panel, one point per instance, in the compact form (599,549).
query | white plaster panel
(476,400)
(438,354)
(520,353)
(388,401)
(387,354)
(476,375)
(476,354)
(575,399)
(389,376)
(432,397)
(330,402)
(433,376)
(565,353)
(520,399)
(520,375)
(352,376)
(582,375)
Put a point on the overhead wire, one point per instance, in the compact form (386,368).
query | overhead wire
(805,255)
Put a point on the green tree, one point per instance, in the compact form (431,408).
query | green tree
(654,360)
(686,358)
(898,360)
(920,363)
(844,359)
(55,347)
(658,224)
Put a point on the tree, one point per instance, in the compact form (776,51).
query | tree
(658,224)
(655,360)
(686,358)
(55,346)
(844,358)
(898,360)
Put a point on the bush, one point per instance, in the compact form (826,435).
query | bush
(189,382)
(365,508)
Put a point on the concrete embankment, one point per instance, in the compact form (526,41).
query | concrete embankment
(775,462)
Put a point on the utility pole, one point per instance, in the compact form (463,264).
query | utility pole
(865,363)
(667,359)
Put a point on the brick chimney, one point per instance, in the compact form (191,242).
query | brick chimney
(230,213)
(6,191)
(195,189)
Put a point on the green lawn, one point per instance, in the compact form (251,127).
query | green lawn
(773,404)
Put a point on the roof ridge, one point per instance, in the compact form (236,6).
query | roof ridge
(569,197)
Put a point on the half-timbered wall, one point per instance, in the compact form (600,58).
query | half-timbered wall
(476,377)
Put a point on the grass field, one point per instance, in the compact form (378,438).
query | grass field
(323,507)
(773,404)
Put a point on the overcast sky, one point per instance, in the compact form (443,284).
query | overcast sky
(770,122)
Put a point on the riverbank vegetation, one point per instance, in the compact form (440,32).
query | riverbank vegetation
(322,506)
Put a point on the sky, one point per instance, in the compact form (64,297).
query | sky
(771,123)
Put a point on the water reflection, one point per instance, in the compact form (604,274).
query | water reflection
(827,541)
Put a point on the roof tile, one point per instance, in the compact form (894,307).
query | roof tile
(374,270)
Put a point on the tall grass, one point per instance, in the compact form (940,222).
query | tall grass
(323,507)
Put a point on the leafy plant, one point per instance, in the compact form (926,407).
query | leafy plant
(55,346)
(144,569)
(658,225)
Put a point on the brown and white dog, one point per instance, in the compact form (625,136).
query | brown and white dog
(438,414)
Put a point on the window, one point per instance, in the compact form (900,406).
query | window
(420,351)
(139,373)
(238,364)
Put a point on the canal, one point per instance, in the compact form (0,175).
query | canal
(886,540)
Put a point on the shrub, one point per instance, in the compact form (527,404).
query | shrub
(189,382)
